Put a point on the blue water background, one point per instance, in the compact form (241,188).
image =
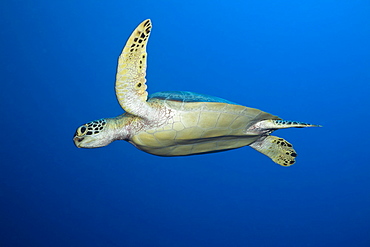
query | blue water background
(301,60)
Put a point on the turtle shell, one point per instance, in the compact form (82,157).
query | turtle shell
(184,96)
(200,124)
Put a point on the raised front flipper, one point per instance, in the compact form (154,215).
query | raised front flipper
(276,148)
(130,79)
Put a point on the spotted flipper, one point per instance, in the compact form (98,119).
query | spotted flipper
(130,79)
(276,148)
(283,124)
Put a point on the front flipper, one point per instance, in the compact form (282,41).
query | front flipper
(276,148)
(130,79)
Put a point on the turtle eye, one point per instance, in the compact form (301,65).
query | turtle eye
(82,130)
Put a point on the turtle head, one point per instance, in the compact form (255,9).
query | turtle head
(93,134)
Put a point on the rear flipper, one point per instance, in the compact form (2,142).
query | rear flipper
(276,148)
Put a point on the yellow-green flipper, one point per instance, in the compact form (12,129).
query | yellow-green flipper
(177,123)
(131,70)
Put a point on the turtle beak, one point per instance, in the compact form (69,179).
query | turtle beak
(77,141)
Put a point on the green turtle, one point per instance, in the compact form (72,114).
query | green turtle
(178,123)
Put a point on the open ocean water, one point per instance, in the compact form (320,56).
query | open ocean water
(301,60)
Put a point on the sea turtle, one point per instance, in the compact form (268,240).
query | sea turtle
(177,123)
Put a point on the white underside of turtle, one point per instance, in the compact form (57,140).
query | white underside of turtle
(178,123)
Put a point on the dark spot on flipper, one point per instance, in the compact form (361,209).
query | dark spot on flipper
(139,84)
(293,154)
(135,39)
(142,35)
